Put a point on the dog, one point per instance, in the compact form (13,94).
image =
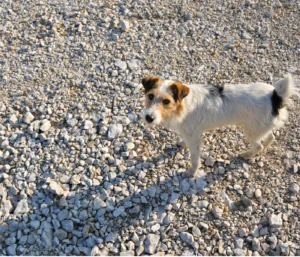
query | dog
(191,109)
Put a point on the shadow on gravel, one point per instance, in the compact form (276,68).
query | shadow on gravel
(141,210)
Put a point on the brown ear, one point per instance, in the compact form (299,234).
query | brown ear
(149,82)
(179,91)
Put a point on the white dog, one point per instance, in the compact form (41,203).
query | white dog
(191,109)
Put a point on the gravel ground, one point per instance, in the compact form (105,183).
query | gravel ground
(79,173)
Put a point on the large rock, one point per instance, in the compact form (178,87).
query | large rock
(28,118)
(238,242)
(169,218)
(13,119)
(22,207)
(11,250)
(114,131)
(72,122)
(196,231)
(210,161)
(151,243)
(184,185)
(45,125)
(255,244)
(88,124)
(95,251)
(294,188)
(62,215)
(111,237)
(2,107)
(5,208)
(187,237)
(284,249)
(217,212)
(239,252)
(46,237)
(34,224)
(203,204)
(55,188)
(201,183)
(67,225)
(61,234)
(275,220)
(125,25)
(133,64)
(121,64)
(98,203)
(118,211)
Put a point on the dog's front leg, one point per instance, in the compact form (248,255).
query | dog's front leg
(194,145)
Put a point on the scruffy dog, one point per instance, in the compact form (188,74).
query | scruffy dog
(191,109)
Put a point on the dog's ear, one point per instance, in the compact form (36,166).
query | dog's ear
(179,91)
(149,82)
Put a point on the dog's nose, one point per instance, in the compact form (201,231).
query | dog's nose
(149,118)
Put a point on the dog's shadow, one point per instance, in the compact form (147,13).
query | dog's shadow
(159,203)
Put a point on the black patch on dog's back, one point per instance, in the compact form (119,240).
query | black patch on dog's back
(276,103)
(216,91)
(221,89)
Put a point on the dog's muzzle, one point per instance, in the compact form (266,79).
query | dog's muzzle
(151,117)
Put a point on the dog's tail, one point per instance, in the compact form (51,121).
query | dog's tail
(285,87)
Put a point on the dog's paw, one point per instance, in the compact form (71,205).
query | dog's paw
(191,173)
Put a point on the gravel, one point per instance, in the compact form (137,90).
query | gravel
(55,188)
(67,225)
(187,237)
(11,250)
(217,212)
(45,125)
(28,118)
(125,25)
(255,244)
(79,172)
(114,131)
(210,161)
(21,208)
(151,243)
(275,220)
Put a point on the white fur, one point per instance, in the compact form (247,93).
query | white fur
(247,105)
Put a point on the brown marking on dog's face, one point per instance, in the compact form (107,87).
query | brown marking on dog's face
(150,82)
(151,96)
(167,106)
(163,99)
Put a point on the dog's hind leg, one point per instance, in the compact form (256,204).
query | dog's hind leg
(256,145)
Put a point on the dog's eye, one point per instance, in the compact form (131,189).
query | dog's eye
(166,101)
(151,96)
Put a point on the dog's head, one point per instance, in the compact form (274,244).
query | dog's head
(163,99)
